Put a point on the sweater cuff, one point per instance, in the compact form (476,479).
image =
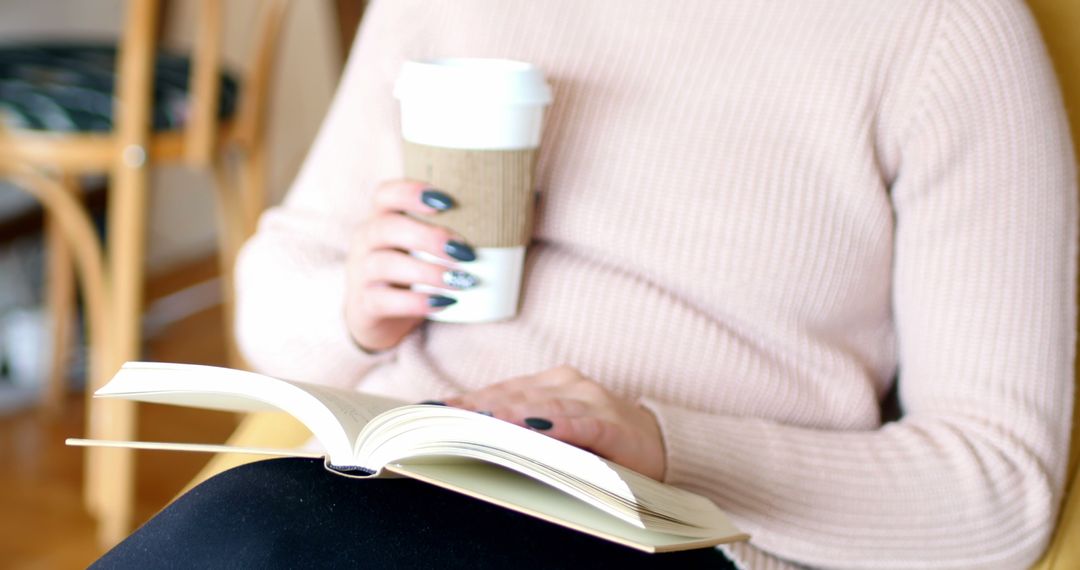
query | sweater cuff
(329,308)
(693,442)
(305,336)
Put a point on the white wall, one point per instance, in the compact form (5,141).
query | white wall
(29,19)
(182,215)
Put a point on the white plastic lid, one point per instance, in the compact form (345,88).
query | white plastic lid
(473,80)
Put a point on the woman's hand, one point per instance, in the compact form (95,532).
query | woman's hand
(380,309)
(564,404)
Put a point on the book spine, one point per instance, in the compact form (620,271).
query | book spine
(350,469)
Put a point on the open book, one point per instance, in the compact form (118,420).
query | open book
(470,453)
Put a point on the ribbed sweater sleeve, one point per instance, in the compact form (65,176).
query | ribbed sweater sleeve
(983,299)
(290,276)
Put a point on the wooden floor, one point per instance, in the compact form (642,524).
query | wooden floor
(42,521)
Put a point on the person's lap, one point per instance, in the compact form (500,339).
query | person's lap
(292,513)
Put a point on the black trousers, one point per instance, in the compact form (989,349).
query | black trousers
(291,513)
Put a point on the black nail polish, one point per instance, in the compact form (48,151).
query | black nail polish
(436,199)
(458,279)
(459,251)
(432,403)
(440,301)
(539,424)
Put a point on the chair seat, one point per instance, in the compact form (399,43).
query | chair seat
(68,87)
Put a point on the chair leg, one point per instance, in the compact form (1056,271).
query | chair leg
(232,223)
(60,303)
(77,231)
(126,248)
(253,184)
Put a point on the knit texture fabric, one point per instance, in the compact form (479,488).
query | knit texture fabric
(755,217)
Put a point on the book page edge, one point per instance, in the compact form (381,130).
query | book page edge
(690,544)
(196,447)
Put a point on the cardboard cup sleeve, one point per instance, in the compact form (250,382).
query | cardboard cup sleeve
(492,191)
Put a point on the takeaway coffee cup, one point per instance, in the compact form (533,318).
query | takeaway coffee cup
(471,128)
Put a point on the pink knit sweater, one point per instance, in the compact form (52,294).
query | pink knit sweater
(755,217)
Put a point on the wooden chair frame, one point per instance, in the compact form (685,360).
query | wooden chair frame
(111,274)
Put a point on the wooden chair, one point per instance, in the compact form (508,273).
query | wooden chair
(1060,20)
(123,144)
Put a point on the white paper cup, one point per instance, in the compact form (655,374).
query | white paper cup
(463,105)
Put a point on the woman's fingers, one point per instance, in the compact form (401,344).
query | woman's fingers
(514,396)
(389,228)
(566,405)
(389,302)
(602,436)
(560,376)
(626,443)
(517,409)
(519,393)
(396,231)
(380,308)
(390,267)
(409,196)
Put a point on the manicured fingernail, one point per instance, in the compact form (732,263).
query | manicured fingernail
(432,403)
(539,424)
(486,413)
(436,199)
(458,279)
(459,251)
(440,301)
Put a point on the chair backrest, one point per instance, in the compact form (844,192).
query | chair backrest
(204,85)
(251,122)
(201,130)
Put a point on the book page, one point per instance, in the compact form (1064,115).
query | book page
(429,431)
(195,447)
(334,415)
(352,409)
(520,493)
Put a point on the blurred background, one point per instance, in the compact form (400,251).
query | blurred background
(48,125)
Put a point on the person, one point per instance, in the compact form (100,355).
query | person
(756,220)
